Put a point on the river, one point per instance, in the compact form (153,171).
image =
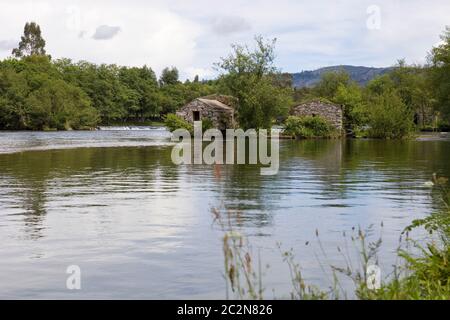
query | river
(138,226)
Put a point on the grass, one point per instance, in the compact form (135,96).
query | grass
(419,276)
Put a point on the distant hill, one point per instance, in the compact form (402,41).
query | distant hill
(361,75)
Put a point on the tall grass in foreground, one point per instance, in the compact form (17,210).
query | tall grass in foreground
(420,276)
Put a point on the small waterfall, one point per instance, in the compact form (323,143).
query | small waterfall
(130,128)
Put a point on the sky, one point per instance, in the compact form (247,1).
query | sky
(193,35)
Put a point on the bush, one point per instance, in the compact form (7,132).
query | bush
(207,124)
(390,118)
(355,109)
(443,126)
(422,275)
(309,127)
(173,122)
(61,106)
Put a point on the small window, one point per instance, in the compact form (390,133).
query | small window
(196,115)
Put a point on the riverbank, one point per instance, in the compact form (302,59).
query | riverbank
(118,126)
(433,136)
(421,272)
(150,123)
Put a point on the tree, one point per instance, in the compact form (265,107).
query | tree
(169,76)
(410,84)
(102,84)
(389,117)
(86,94)
(141,91)
(440,74)
(31,42)
(34,96)
(380,85)
(413,87)
(58,105)
(330,82)
(250,76)
(13,92)
(354,106)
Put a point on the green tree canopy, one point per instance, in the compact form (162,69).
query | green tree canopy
(169,76)
(330,82)
(389,117)
(351,98)
(440,74)
(31,43)
(250,76)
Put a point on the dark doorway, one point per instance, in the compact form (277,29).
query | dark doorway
(416,119)
(196,115)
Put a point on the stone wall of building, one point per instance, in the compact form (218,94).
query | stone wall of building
(220,117)
(330,112)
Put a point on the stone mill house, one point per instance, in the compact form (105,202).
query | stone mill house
(219,109)
(333,113)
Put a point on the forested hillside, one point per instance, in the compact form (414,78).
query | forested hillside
(359,74)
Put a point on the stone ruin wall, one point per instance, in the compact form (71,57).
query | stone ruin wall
(221,119)
(332,113)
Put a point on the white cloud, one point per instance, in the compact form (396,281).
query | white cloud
(192,36)
(7,45)
(105,32)
(229,25)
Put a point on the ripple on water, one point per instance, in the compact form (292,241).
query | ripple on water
(128,213)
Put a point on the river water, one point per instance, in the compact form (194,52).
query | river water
(138,226)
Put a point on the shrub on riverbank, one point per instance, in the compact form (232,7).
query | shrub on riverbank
(309,127)
(425,276)
(389,118)
(174,122)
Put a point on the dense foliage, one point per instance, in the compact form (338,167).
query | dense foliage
(251,77)
(425,275)
(309,127)
(173,122)
(440,75)
(85,94)
(33,95)
(391,106)
(31,43)
(39,93)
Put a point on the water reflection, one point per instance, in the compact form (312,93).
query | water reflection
(327,173)
(133,214)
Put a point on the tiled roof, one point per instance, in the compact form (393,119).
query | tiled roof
(215,104)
